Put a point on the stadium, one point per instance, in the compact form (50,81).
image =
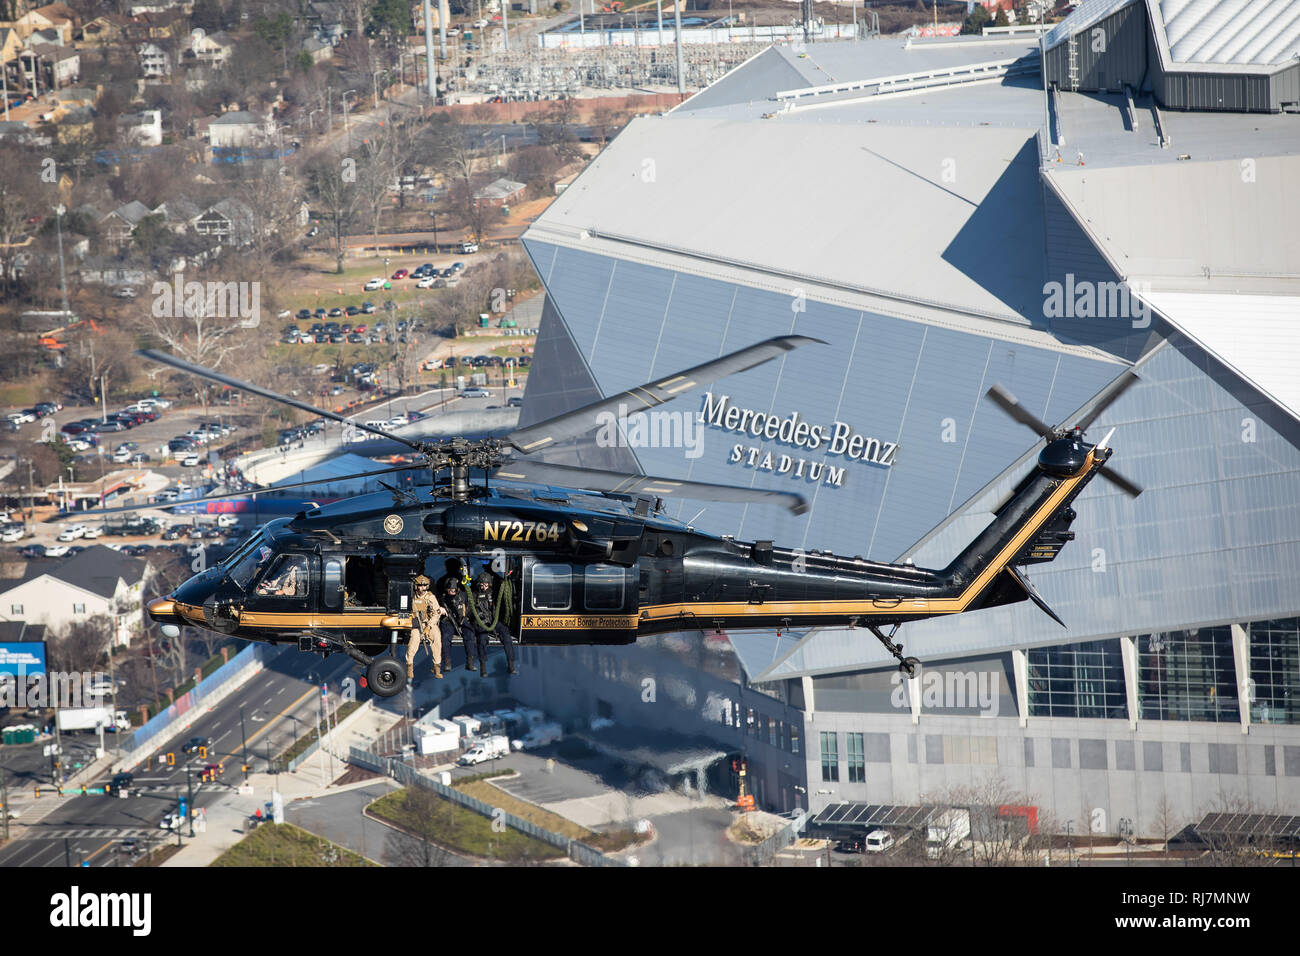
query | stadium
(1043,211)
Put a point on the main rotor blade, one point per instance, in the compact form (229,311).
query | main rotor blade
(581,420)
(1129,487)
(233,495)
(589,479)
(1011,405)
(1117,388)
(220,378)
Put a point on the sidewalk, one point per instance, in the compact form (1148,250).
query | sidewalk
(226,819)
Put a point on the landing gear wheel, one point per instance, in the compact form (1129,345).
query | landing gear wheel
(909,665)
(386,677)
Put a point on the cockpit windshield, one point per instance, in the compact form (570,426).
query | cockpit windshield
(242,566)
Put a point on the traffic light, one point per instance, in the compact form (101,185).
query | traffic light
(171,760)
(203,752)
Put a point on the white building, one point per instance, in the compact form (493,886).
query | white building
(57,594)
(154,61)
(238,128)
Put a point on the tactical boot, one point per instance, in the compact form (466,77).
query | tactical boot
(513,669)
(482,669)
(437,671)
(470,663)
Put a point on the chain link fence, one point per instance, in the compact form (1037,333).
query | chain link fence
(408,776)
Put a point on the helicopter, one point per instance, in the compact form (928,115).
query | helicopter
(591,554)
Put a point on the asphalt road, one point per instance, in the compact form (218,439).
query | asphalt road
(278,704)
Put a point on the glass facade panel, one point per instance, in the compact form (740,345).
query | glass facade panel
(857,759)
(830,756)
(1077,680)
(1187,675)
(1275,671)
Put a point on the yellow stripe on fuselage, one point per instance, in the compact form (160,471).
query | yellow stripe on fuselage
(905,605)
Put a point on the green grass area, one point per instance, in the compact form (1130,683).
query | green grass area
(496,797)
(305,741)
(284,844)
(421,812)
(20,395)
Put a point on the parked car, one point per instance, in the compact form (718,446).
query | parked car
(72,532)
(191,460)
(367,308)
(426,282)
(56,551)
(878,841)
(475,393)
(374,284)
(401,274)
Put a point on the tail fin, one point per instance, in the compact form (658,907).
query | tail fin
(1031,527)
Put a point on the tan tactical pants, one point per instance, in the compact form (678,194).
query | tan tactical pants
(413,648)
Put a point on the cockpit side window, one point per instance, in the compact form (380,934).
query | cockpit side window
(287,577)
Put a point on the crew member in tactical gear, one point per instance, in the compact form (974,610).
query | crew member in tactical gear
(457,620)
(426,615)
(484,616)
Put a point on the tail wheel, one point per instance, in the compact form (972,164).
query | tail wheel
(909,665)
(386,677)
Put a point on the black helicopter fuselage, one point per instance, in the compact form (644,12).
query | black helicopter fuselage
(584,574)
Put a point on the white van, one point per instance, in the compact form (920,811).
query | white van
(878,841)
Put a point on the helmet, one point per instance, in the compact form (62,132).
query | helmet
(421,581)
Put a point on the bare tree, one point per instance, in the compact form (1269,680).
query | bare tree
(417,848)
(21,199)
(332,183)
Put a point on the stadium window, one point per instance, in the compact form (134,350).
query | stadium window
(794,739)
(830,756)
(78,609)
(857,759)
(1187,675)
(15,609)
(774,733)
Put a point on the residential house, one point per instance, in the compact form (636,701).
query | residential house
(56,17)
(141,129)
(105,30)
(162,25)
(179,214)
(316,48)
(11,45)
(154,61)
(327,19)
(98,581)
(109,270)
(212,49)
(239,128)
(75,126)
(53,66)
(500,192)
(119,224)
(229,222)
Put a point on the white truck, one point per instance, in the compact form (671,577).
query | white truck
(91,718)
(946,832)
(488,748)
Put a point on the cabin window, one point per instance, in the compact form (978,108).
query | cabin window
(552,587)
(287,578)
(603,587)
(332,589)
